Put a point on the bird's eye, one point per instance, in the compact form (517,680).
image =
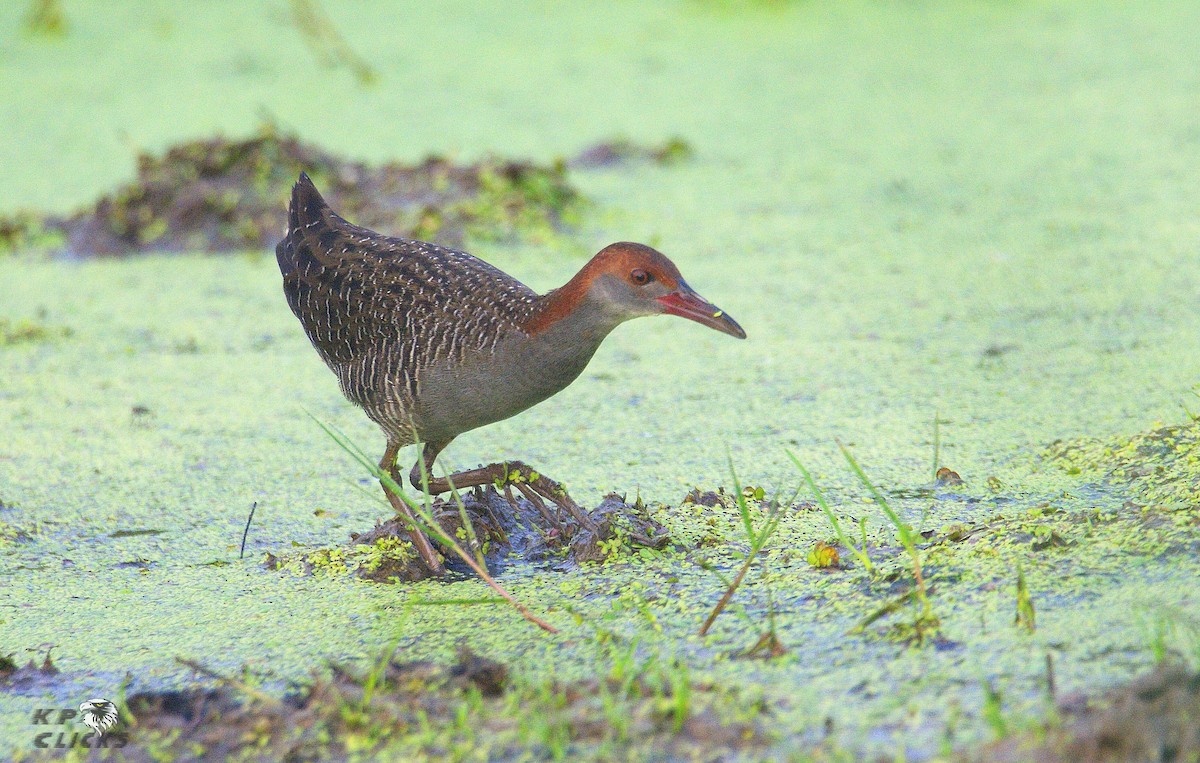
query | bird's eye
(640,277)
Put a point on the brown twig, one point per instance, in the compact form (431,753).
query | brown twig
(239,685)
(737,581)
(327,43)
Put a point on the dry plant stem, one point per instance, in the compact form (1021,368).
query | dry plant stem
(326,42)
(733,586)
(392,487)
(757,541)
(246,532)
(241,686)
(442,536)
(901,529)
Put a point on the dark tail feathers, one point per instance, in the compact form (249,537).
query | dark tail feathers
(307,204)
(307,207)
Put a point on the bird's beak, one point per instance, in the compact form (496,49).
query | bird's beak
(688,304)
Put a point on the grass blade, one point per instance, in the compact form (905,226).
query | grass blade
(844,539)
(902,529)
(425,518)
(757,542)
(904,533)
(743,507)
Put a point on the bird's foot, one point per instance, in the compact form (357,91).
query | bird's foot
(537,489)
(513,511)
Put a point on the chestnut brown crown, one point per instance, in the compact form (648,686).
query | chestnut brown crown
(632,280)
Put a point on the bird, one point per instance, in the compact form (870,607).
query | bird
(432,342)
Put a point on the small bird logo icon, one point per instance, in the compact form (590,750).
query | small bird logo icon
(100,714)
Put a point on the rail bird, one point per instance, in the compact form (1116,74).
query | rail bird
(432,342)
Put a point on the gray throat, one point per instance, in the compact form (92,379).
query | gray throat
(560,353)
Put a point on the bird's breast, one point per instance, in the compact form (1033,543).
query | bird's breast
(492,385)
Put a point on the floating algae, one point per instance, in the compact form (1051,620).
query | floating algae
(1161,466)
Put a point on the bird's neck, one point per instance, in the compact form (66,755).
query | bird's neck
(563,331)
(573,308)
(571,322)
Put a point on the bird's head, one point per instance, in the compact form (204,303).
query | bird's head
(633,280)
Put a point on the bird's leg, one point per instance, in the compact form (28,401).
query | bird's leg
(422,478)
(501,475)
(420,541)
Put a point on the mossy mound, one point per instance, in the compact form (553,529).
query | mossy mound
(471,710)
(508,530)
(622,151)
(220,195)
(1161,466)
(27,331)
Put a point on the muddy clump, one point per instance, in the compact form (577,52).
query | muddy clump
(620,152)
(402,709)
(508,529)
(31,677)
(709,498)
(219,195)
(222,195)
(383,555)
(1156,717)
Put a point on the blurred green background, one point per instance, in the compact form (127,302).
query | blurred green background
(983,211)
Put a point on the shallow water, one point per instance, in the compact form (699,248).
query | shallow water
(986,213)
